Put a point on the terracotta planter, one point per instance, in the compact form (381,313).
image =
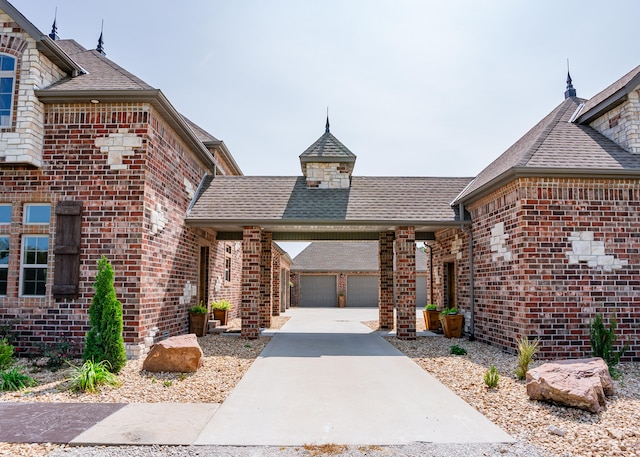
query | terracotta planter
(341,301)
(431,319)
(198,324)
(452,325)
(221,315)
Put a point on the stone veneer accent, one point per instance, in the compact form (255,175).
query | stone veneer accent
(585,249)
(499,243)
(622,123)
(385,285)
(405,251)
(250,309)
(328,175)
(117,146)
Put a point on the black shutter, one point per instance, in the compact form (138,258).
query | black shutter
(66,276)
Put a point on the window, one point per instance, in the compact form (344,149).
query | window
(4,263)
(7,87)
(33,267)
(5,214)
(227,263)
(37,213)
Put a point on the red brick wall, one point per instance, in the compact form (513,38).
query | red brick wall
(220,288)
(538,293)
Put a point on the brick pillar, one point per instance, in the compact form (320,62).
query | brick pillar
(265,279)
(250,309)
(275,269)
(406,282)
(385,285)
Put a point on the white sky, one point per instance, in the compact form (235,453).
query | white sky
(414,87)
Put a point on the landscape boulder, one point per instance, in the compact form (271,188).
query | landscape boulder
(180,354)
(580,383)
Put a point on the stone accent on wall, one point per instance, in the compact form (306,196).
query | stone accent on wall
(328,175)
(158,219)
(498,243)
(118,146)
(405,250)
(188,187)
(188,292)
(385,284)
(456,247)
(585,249)
(622,124)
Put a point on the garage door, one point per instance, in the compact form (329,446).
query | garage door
(421,291)
(318,291)
(362,291)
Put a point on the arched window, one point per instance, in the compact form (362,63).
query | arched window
(7,83)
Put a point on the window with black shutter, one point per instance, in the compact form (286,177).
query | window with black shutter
(66,277)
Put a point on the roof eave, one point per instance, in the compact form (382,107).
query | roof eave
(60,58)
(206,222)
(155,97)
(530,172)
(307,159)
(615,99)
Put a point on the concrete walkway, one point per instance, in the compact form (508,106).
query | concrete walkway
(323,378)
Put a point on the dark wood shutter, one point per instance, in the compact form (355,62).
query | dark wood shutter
(66,250)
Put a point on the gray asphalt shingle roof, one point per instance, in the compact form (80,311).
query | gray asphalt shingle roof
(327,147)
(345,257)
(278,198)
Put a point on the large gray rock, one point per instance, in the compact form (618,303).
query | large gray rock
(580,383)
(180,354)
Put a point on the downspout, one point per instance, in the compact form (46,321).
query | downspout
(472,298)
(430,271)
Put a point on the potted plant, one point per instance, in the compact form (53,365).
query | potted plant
(198,320)
(431,317)
(451,322)
(341,300)
(220,310)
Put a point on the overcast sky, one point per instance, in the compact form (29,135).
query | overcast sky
(414,88)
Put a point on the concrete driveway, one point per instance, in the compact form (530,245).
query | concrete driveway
(326,378)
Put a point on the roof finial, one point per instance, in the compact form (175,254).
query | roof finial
(100,47)
(54,28)
(570,92)
(326,128)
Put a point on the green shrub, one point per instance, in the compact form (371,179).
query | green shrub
(221,305)
(198,310)
(104,341)
(431,307)
(603,342)
(491,377)
(6,354)
(449,311)
(14,379)
(457,350)
(526,350)
(91,375)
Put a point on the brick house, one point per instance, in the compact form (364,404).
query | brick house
(94,161)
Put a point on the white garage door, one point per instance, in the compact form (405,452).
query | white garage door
(318,291)
(362,291)
(421,291)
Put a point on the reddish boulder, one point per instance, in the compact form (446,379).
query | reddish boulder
(580,383)
(180,354)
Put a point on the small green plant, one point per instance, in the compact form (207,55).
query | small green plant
(491,377)
(603,341)
(457,350)
(6,354)
(14,379)
(183,376)
(58,353)
(90,376)
(449,311)
(431,307)
(6,331)
(167,383)
(198,309)
(221,305)
(526,350)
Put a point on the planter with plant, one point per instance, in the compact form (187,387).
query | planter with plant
(451,322)
(342,301)
(431,317)
(220,310)
(198,320)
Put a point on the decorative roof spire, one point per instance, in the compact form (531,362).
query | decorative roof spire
(100,47)
(326,127)
(54,28)
(570,92)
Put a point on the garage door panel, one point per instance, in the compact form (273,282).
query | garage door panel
(318,291)
(362,291)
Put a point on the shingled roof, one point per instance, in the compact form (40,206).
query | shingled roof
(327,149)
(609,97)
(286,204)
(345,256)
(555,146)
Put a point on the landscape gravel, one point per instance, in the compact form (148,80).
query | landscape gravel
(541,429)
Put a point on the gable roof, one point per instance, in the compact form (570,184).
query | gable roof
(345,256)
(284,203)
(555,146)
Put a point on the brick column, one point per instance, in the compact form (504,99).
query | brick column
(275,309)
(250,308)
(385,284)
(406,282)
(265,279)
